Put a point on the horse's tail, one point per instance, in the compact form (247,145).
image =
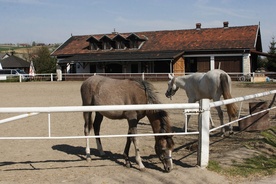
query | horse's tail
(225,85)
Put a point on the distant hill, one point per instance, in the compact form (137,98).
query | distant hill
(7,48)
(24,52)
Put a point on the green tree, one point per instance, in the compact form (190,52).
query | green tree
(271,61)
(261,62)
(44,63)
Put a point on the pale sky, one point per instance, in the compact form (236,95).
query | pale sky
(53,21)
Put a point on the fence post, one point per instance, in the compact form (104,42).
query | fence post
(203,139)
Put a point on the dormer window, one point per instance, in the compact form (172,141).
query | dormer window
(93,46)
(120,45)
(134,44)
(134,41)
(118,41)
(106,45)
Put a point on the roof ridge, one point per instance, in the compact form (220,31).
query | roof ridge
(176,39)
(165,30)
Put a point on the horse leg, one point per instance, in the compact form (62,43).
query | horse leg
(190,100)
(126,152)
(188,119)
(133,130)
(230,126)
(212,122)
(223,130)
(87,129)
(220,114)
(137,152)
(97,125)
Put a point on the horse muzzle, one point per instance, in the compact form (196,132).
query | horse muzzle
(168,164)
(168,95)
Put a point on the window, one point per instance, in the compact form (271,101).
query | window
(134,41)
(106,42)
(134,44)
(120,45)
(93,46)
(106,45)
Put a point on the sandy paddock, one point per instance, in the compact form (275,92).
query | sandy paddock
(63,161)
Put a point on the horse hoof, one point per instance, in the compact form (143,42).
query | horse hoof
(143,169)
(88,159)
(128,165)
(102,154)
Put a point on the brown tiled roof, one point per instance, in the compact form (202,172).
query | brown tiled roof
(242,37)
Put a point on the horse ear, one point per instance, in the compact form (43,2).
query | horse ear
(171,76)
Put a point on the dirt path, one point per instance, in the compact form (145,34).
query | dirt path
(62,161)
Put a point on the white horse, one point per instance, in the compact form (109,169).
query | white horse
(209,85)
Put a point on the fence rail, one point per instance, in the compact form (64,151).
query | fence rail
(252,77)
(203,107)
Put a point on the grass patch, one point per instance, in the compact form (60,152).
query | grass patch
(264,164)
(214,166)
(257,165)
(270,136)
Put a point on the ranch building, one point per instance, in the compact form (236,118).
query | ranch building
(233,49)
(14,62)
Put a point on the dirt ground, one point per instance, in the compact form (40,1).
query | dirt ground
(63,161)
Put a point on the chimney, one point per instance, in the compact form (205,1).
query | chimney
(225,24)
(198,26)
(114,32)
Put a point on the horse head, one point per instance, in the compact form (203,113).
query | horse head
(172,88)
(163,148)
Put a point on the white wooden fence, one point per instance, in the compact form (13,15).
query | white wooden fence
(235,76)
(203,107)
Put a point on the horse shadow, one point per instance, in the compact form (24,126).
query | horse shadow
(114,157)
(79,152)
(150,161)
(176,129)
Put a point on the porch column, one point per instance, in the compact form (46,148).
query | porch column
(246,64)
(68,67)
(212,62)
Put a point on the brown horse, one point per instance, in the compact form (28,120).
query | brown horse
(99,90)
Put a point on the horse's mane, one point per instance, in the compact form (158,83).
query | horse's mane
(165,124)
(149,90)
(153,99)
